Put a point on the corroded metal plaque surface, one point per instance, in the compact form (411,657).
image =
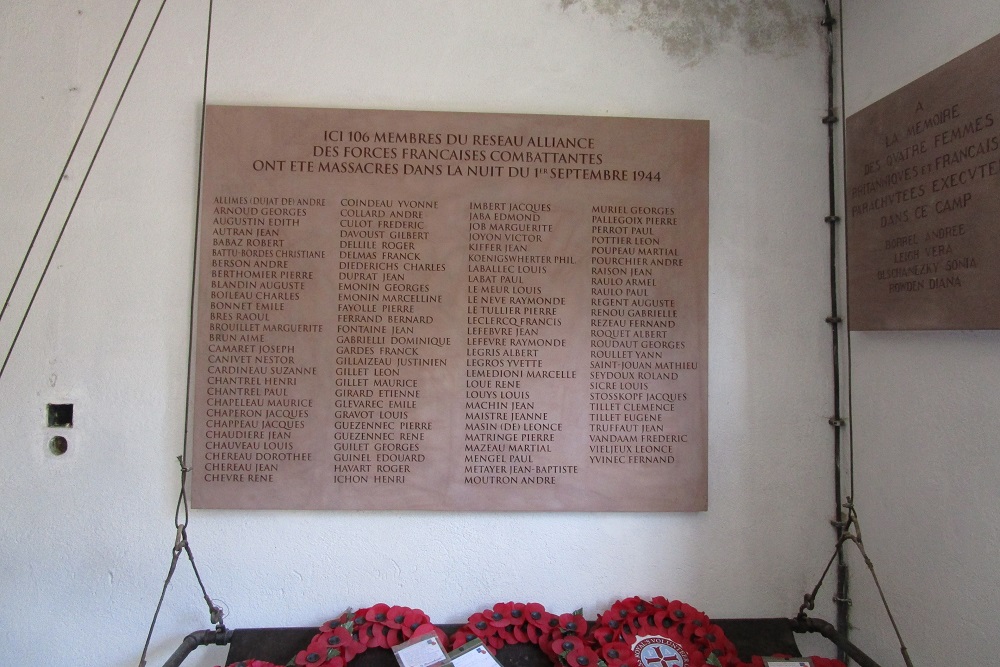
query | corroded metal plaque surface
(923,176)
(413,310)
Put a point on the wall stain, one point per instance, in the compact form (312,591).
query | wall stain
(694,29)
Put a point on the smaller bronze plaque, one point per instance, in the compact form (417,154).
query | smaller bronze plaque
(923,168)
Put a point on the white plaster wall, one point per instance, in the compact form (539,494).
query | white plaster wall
(87,536)
(926,405)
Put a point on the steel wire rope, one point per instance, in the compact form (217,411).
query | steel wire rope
(79,191)
(182,510)
(69,158)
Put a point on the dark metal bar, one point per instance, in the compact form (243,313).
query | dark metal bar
(802,625)
(841,598)
(196,639)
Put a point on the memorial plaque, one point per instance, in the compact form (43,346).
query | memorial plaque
(450,311)
(923,224)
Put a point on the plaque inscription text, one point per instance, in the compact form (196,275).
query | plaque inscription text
(923,172)
(413,310)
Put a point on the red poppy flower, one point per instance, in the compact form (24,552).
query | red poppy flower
(479,624)
(357,622)
(413,619)
(564,645)
(641,624)
(618,654)
(377,614)
(602,635)
(712,638)
(627,632)
(513,634)
(494,642)
(375,635)
(395,616)
(632,605)
(534,633)
(660,620)
(584,657)
(338,639)
(573,624)
(618,614)
(309,658)
(318,643)
(349,646)
(393,637)
(612,617)
(611,621)
(537,615)
(517,612)
(496,616)
(334,623)
(681,612)
(504,614)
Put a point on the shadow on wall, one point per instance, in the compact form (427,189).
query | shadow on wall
(693,29)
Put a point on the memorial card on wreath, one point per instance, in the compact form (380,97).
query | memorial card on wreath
(450,311)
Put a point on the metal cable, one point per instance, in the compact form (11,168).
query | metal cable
(850,393)
(159,604)
(197,224)
(852,533)
(182,510)
(69,158)
(79,190)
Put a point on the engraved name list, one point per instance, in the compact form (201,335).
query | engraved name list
(411,310)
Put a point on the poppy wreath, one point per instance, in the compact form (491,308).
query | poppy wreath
(618,629)
(562,638)
(567,639)
(343,638)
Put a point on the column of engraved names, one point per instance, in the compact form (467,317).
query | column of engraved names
(386,337)
(633,337)
(513,317)
(254,412)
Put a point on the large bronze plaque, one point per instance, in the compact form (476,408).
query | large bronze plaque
(414,310)
(923,170)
